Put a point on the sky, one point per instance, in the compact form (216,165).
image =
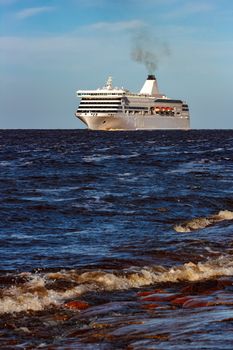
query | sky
(51,48)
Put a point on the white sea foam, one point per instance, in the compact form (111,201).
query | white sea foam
(199,223)
(6,163)
(35,296)
(99,157)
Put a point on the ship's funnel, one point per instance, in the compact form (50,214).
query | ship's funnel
(150,86)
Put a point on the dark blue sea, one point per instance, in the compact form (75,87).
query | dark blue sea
(116,240)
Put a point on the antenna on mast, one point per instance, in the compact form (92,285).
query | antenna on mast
(108,84)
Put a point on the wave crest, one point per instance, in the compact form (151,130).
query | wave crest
(34,295)
(200,223)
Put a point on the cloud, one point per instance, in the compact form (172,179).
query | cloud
(42,52)
(23,46)
(33,11)
(91,3)
(116,26)
(190,9)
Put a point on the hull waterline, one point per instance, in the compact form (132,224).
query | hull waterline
(134,123)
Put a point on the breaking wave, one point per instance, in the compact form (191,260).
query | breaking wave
(40,292)
(200,223)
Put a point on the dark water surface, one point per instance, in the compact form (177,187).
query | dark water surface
(98,246)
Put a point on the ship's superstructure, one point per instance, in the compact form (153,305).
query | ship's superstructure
(118,109)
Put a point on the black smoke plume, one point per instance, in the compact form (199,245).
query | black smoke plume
(148,50)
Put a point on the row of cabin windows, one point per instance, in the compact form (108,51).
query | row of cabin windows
(119,98)
(101,94)
(171,114)
(87,108)
(101,99)
(167,101)
(136,108)
(113,106)
(103,109)
(100,108)
(100,103)
(116,104)
(99,111)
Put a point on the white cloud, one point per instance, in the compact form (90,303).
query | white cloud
(33,11)
(191,9)
(50,69)
(23,48)
(116,26)
(55,51)
(91,3)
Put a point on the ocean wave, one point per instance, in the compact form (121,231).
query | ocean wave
(100,157)
(39,291)
(203,222)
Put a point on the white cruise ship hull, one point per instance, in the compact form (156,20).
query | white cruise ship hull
(118,109)
(134,122)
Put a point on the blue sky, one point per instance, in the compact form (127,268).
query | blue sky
(51,48)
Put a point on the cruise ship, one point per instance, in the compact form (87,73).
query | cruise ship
(111,108)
